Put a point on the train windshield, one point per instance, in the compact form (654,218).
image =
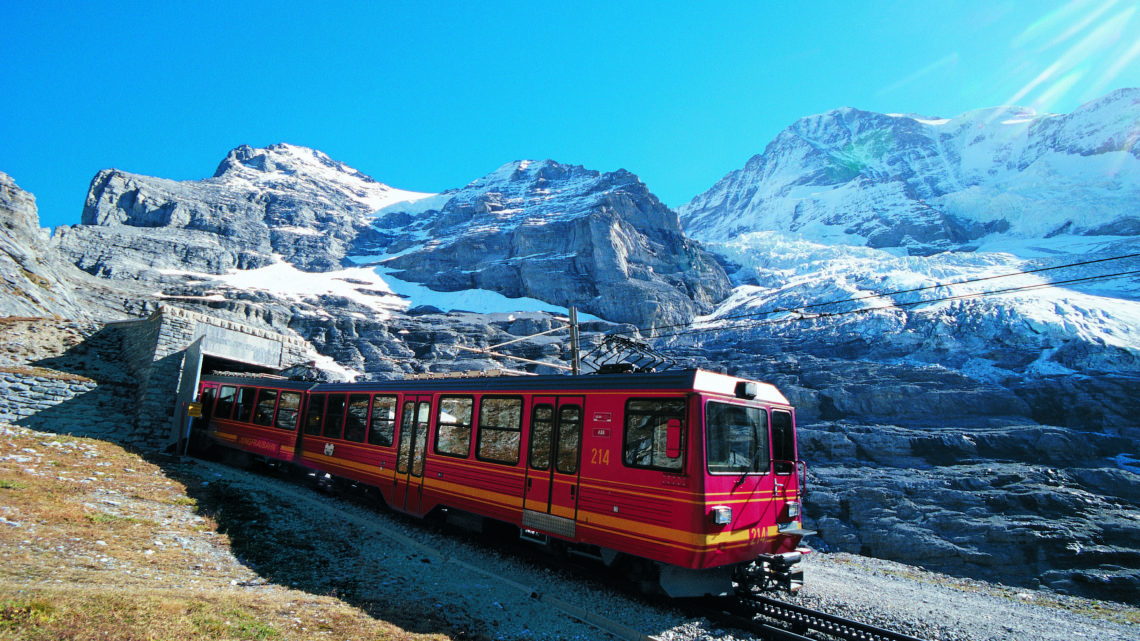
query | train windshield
(736,439)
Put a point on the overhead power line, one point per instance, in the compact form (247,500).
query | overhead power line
(752,319)
(894,305)
(887,294)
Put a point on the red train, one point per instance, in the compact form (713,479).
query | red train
(689,480)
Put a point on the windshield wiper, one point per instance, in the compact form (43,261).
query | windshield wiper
(751,465)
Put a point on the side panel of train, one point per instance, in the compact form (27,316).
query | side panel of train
(258,417)
(694,477)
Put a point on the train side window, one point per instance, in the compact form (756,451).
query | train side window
(736,439)
(783,442)
(419,447)
(356,422)
(245,400)
(407,426)
(313,417)
(383,421)
(287,410)
(453,429)
(500,429)
(225,405)
(266,404)
(569,438)
(541,435)
(334,416)
(646,431)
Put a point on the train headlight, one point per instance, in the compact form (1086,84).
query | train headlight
(722,515)
(793,510)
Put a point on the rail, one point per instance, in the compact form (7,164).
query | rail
(787,622)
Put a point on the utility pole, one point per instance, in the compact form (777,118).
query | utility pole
(575,358)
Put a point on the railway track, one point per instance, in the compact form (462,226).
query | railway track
(776,620)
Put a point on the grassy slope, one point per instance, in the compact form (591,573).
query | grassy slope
(98,543)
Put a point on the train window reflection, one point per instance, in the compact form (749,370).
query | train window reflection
(541,435)
(500,429)
(245,404)
(736,439)
(314,415)
(287,410)
(266,404)
(225,405)
(646,430)
(334,416)
(783,443)
(453,437)
(383,421)
(569,438)
(356,422)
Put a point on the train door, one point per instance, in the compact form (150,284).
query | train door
(200,427)
(783,453)
(414,421)
(554,455)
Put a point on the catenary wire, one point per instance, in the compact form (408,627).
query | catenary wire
(886,294)
(758,323)
(748,321)
(751,319)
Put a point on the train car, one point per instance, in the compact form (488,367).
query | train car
(688,480)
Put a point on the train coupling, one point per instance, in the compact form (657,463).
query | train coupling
(774,572)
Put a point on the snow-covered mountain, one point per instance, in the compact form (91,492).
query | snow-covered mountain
(289,237)
(921,185)
(849,205)
(281,200)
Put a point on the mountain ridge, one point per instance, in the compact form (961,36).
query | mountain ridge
(924,186)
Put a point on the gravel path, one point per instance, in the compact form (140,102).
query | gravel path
(421,570)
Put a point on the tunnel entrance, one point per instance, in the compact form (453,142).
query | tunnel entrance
(169,351)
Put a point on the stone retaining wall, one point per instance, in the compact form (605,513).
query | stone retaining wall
(63,404)
(121,382)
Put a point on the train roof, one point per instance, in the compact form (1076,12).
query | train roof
(692,380)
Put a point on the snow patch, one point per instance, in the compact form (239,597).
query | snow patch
(358,284)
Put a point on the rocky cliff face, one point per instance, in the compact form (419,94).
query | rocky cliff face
(282,200)
(34,281)
(559,233)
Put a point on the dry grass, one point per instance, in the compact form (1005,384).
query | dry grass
(24,370)
(98,543)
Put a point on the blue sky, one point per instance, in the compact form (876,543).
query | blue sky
(428,96)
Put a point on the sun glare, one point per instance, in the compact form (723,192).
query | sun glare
(1075,53)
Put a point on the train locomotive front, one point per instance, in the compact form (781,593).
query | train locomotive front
(688,481)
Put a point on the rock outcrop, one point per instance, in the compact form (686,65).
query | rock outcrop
(283,200)
(924,185)
(34,280)
(559,233)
